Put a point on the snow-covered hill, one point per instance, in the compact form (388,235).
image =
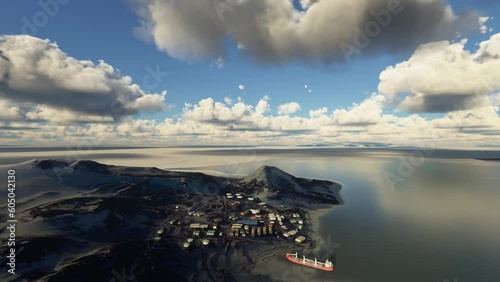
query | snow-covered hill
(272,185)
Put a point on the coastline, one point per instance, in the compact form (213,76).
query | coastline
(321,245)
(270,264)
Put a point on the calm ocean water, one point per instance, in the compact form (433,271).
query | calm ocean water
(439,222)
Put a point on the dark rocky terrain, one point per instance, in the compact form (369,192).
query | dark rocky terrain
(86,221)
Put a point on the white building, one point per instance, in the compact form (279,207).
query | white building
(300,239)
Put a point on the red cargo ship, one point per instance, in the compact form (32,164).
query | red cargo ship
(326,266)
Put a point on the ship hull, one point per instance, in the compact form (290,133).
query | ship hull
(299,261)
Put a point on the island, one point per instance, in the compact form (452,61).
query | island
(94,221)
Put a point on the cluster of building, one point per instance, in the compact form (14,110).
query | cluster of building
(235,216)
(189,241)
(236,196)
(250,227)
(257,219)
(209,230)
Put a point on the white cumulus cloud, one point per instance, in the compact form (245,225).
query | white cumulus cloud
(368,112)
(444,76)
(482,24)
(37,71)
(228,101)
(289,108)
(275,31)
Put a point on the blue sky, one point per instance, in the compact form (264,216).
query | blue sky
(103,30)
(87,37)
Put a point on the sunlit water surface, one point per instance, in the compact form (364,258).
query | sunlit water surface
(439,222)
